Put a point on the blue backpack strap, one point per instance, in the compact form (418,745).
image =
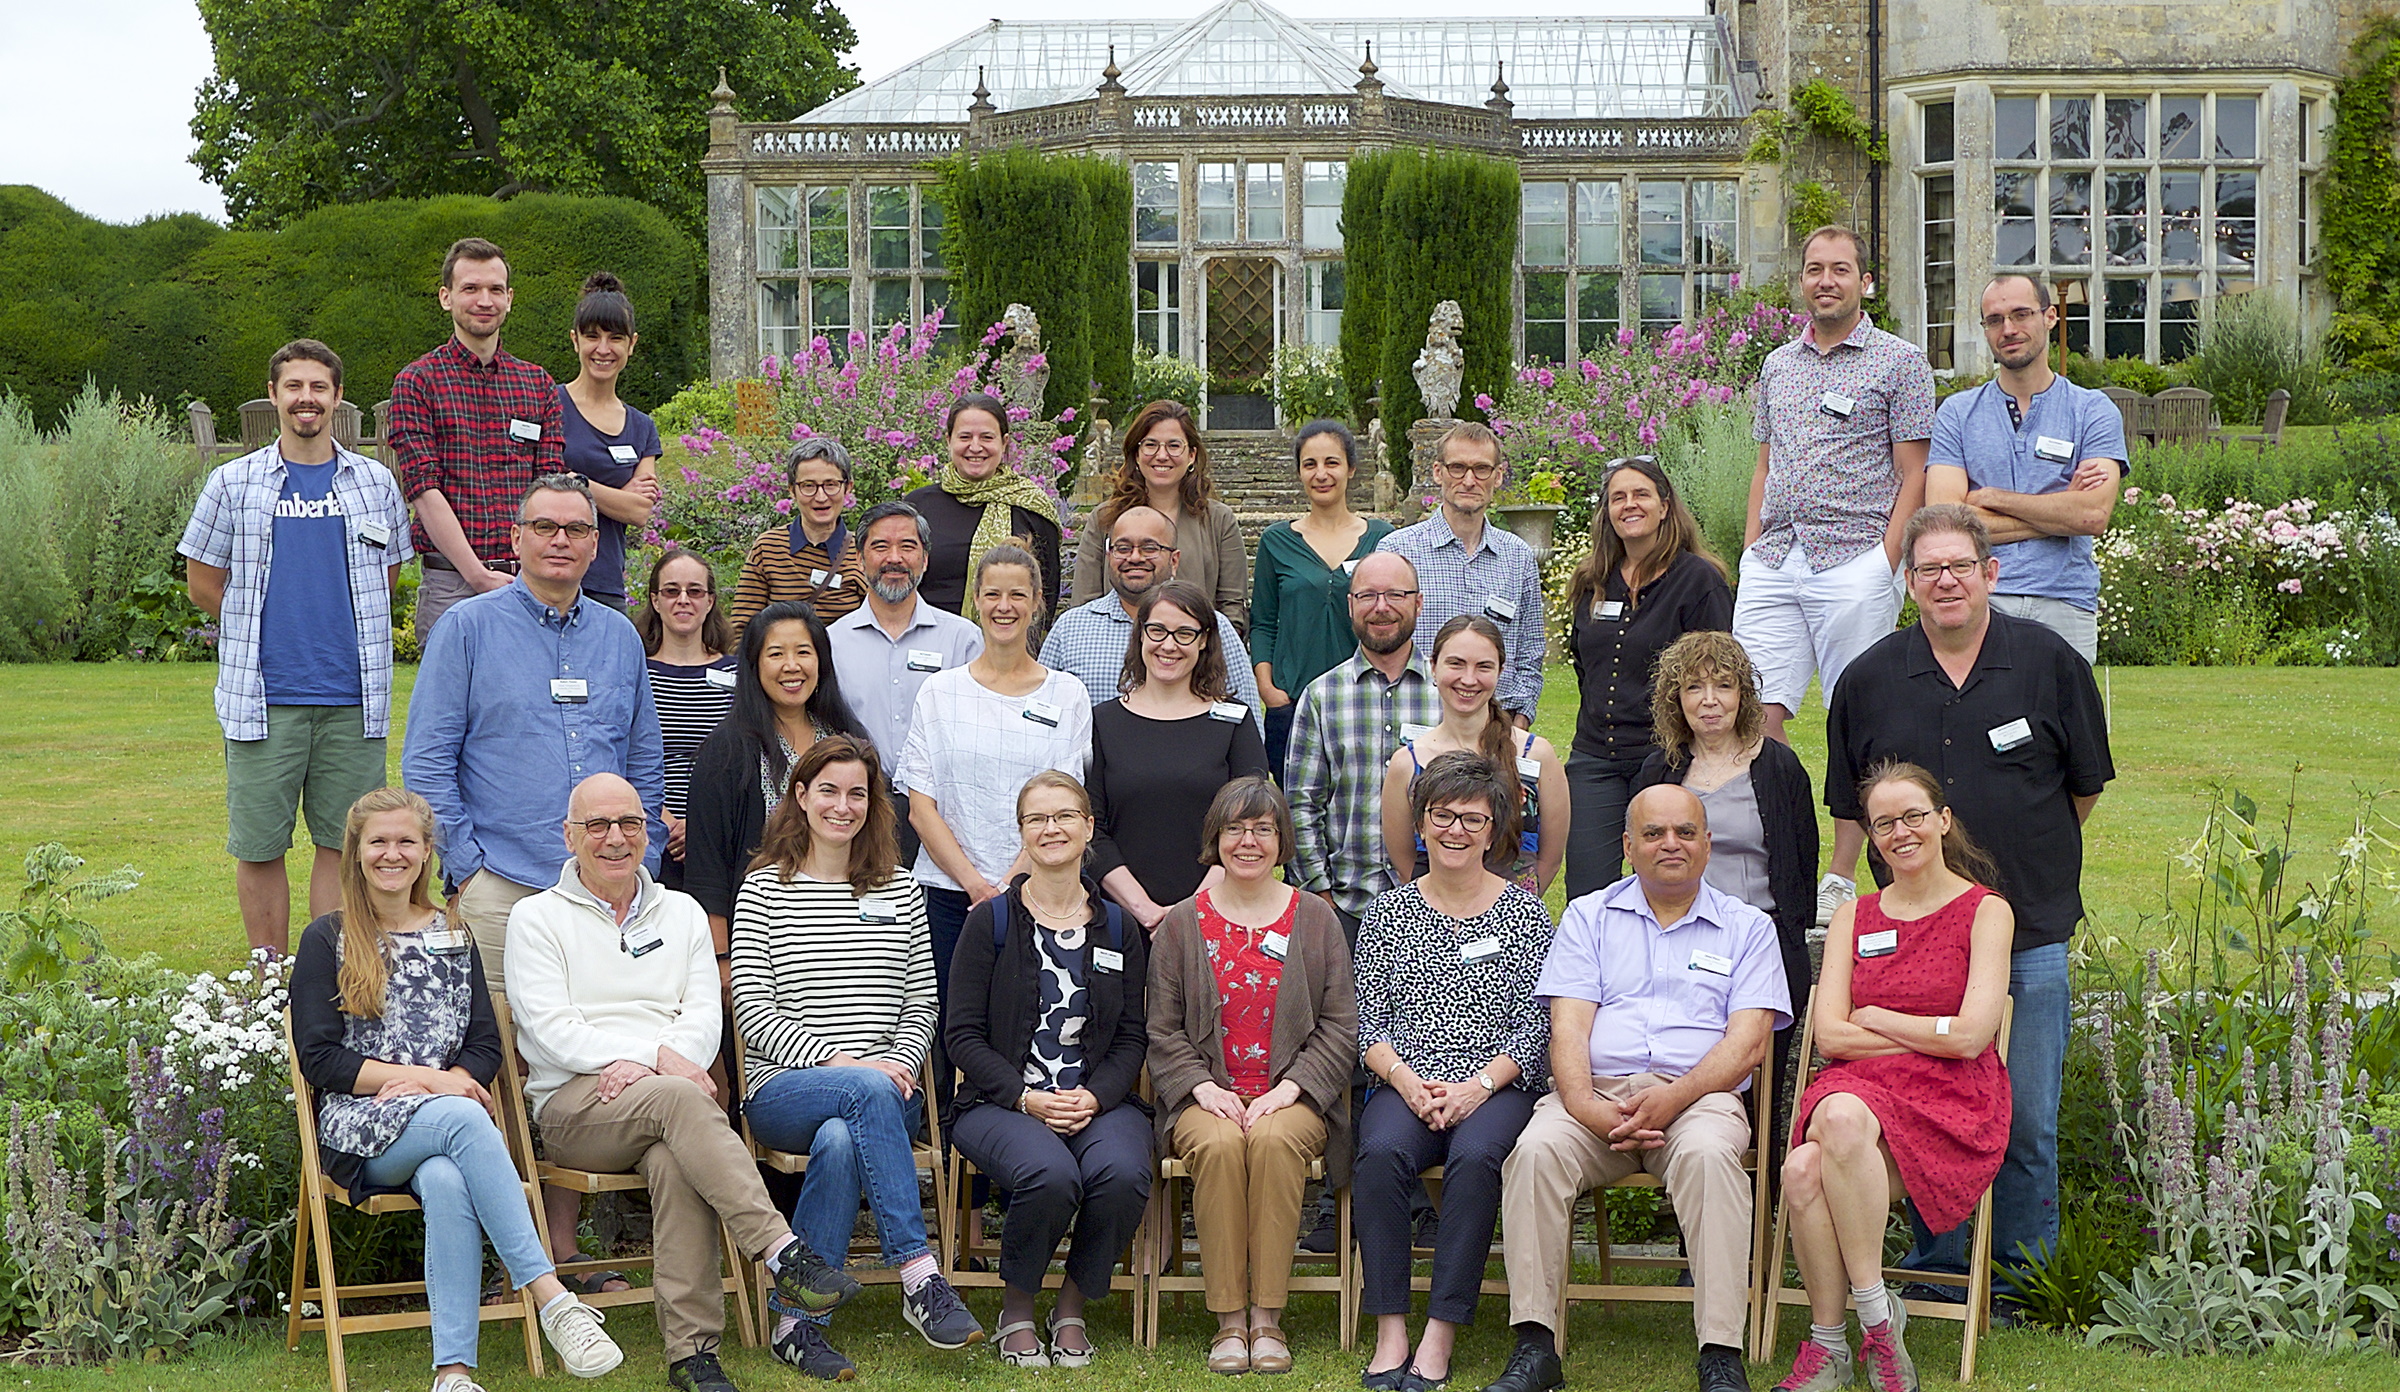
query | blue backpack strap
(1116,925)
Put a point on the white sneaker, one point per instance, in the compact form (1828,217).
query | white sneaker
(1832,892)
(574,1331)
(456,1382)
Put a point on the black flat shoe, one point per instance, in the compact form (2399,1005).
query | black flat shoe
(1386,1381)
(1413,1381)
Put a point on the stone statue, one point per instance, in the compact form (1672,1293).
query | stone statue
(1099,462)
(1442,365)
(1022,381)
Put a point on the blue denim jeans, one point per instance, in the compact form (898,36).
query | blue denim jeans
(853,1125)
(2025,1192)
(452,1158)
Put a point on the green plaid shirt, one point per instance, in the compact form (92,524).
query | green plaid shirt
(1347,729)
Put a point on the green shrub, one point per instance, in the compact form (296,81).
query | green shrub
(2249,346)
(1018,230)
(2346,468)
(1712,466)
(1308,383)
(1449,233)
(1111,289)
(702,402)
(1163,377)
(1362,281)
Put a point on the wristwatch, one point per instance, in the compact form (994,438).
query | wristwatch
(1485,1078)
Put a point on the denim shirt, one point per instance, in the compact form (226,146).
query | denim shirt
(497,754)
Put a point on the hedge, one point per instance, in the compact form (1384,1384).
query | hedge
(178,308)
(1111,284)
(1019,231)
(1448,232)
(1362,263)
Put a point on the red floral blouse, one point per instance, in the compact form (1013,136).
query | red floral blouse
(1247,979)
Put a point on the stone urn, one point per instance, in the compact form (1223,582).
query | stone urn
(1535,524)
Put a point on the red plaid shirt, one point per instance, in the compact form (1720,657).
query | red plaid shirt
(449,429)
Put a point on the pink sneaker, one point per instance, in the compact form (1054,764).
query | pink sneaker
(1817,1368)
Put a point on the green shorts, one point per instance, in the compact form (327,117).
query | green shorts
(313,756)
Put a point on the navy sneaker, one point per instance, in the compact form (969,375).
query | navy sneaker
(805,1348)
(935,1311)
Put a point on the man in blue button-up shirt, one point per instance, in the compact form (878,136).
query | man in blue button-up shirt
(526,691)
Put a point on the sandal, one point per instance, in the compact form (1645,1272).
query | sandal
(589,1283)
(1033,1357)
(1270,1362)
(1232,1363)
(1067,1357)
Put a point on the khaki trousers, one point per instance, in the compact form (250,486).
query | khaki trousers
(1246,1190)
(482,908)
(699,1174)
(1557,1159)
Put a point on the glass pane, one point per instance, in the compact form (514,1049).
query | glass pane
(1596,313)
(2128,128)
(1710,287)
(2179,217)
(2128,313)
(2070,217)
(779,328)
(2070,128)
(1326,284)
(2179,128)
(1941,269)
(1216,203)
(2014,132)
(1545,222)
(887,249)
(829,228)
(887,206)
(1599,220)
(936,295)
(1265,208)
(2237,128)
(2128,230)
(929,220)
(1321,188)
(2178,320)
(1712,222)
(1662,301)
(778,229)
(2073,298)
(1157,207)
(1662,228)
(888,303)
(1545,296)
(829,307)
(1546,342)
(2237,219)
(1941,140)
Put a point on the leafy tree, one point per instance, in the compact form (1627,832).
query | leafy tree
(1362,261)
(1448,232)
(347,101)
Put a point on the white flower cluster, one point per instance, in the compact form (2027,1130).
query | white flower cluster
(229,1033)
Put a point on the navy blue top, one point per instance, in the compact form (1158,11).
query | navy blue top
(313,659)
(611,460)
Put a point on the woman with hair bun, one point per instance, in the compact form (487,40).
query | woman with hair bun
(607,441)
(1166,467)
(978,502)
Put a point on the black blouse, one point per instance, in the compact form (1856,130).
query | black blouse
(1615,650)
(1151,783)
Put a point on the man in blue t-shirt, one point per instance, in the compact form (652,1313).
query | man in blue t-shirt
(2041,459)
(294,550)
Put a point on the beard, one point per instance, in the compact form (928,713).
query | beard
(890,590)
(1384,647)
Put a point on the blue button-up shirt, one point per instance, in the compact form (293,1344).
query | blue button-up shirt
(1665,993)
(875,671)
(1090,641)
(2064,425)
(495,751)
(1451,580)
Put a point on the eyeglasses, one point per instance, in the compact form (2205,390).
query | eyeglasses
(597,827)
(1446,818)
(2015,318)
(1933,571)
(544,528)
(1147,550)
(1249,831)
(1169,448)
(1180,637)
(1067,820)
(820,488)
(1912,819)
(1479,472)
(684,592)
(1373,598)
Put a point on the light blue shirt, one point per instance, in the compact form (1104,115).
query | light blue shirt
(496,750)
(2065,425)
(1090,641)
(880,674)
(1500,576)
(1664,994)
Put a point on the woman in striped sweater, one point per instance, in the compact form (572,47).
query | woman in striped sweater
(692,676)
(833,993)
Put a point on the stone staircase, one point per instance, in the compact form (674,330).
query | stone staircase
(1252,471)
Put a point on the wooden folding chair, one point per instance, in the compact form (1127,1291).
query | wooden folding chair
(1608,1287)
(925,1155)
(312,1236)
(566,1177)
(1975,1314)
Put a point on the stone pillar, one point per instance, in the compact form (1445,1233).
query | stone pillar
(1971,125)
(732,301)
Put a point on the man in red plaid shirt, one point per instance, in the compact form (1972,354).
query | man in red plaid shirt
(471,428)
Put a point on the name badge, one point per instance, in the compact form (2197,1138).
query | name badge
(1107,959)
(1042,713)
(1479,950)
(1275,945)
(1882,944)
(642,938)
(375,534)
(2015,734)
(924,660)
(570,690)
(877,909)
(1500,610)
(1714,964)
(2052,448)
(722,677)
(1227,711)
(529,432)
(445,939)
(1410,734)
(1530,770)
(623,454)
(825,579)
(1609,609)
(1350,567)
(1837,405)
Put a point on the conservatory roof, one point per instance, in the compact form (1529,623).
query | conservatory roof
(1655,67)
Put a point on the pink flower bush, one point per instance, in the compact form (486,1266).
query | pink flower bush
(2290,569)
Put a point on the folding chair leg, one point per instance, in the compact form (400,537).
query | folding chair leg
(1979,1289)
(738,1272)
(300,1239)
(1350,1297)
(328,1297)
(533,1334)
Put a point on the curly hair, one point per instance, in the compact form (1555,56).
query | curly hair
(1707,653)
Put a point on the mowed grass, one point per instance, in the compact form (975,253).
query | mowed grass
(124,763)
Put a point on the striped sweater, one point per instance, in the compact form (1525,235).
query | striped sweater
(814,976)
(774,571)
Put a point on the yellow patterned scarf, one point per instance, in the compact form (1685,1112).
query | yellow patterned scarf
(995,493)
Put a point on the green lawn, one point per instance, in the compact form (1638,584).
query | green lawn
(122,762)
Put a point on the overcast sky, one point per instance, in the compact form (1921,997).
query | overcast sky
(98,106)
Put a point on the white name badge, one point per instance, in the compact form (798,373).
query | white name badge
(624,454)
(2052,448)
(375,534)
(1410,734)
(1227,711)
(1882,944)
(1275,945)
(1837,405)
(642,938)
(528,431)
(1107,959)
(825,579)
(723,677)
(1478,950)
(877,909)
(1714,964)
(570,690)
(1530,770)
(1609,609)
(1042,713)
(924,660)
(1500,610)
(445,939)
(2014,734)
(1350,567)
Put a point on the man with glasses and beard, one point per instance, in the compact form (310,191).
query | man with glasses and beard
(1465,565)
(1091,639)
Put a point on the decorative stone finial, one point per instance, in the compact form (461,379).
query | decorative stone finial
(1110,74)
(1368,69)
(1500,101)
(1441,366)
(723,95)
(983,95)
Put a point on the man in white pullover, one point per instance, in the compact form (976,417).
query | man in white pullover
(613,981)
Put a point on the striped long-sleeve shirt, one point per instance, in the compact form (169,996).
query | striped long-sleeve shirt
(819,970)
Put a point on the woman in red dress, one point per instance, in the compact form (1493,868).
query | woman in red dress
(1915,1102)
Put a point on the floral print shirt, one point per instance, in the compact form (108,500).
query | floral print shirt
(1829,418)
(1247,979)
(426,1001)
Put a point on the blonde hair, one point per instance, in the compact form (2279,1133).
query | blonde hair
(364,968)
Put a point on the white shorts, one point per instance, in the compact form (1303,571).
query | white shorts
(1794,621)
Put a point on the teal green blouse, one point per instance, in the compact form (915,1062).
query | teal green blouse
(1300,607)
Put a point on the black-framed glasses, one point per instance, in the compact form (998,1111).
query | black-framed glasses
(1444,818)
(1912,819)
(819,488)
(1371,598)
(545,528)
(1065,819)
(1180,637)
(1250,831)
(597,827)
(1933,571)
(1147,550)
(1481,473)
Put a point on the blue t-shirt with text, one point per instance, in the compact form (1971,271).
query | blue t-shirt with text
(308,635)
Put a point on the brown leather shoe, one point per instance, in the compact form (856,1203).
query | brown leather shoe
(1270,1362)
(1229,1352)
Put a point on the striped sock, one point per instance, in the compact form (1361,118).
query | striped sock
(1835,1338)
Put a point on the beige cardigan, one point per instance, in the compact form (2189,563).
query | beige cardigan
(1208,553)
(1315,1036)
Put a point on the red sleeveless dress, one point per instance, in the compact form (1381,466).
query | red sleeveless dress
(1946,1120)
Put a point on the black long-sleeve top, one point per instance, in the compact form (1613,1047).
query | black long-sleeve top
(1787,809)
(996,1002)
(726,818)
(953,526)
(1615,644)
(1151,782)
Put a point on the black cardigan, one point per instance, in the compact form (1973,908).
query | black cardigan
(953,525)
(1788,810)
(995,999)
(727,812)
(317,1029)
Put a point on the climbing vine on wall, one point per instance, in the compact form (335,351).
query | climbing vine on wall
(2359,244)
(1817,108)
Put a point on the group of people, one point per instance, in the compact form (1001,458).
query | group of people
(1240,864)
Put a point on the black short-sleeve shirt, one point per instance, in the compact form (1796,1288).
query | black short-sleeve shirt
(1896,702)
(1615,645)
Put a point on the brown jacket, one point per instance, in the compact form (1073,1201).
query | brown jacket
(1315,1038)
